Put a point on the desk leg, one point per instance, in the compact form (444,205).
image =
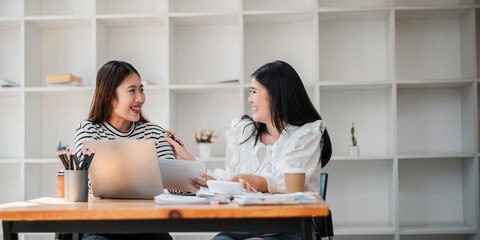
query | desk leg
(307,228)
(7,231)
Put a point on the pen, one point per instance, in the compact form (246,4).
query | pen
(176,139)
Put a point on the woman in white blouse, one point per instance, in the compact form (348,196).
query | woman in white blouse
(285,131)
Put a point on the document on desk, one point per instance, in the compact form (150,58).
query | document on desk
(178,199)
(176,173)
(273,199)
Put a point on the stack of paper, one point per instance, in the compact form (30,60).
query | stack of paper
(266,198)
(180,199)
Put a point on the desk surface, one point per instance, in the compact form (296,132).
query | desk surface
(51,208)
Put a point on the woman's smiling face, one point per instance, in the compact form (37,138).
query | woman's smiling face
(260,102)
(129,99)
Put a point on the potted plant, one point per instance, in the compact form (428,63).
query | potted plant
(204,139)
(353,149)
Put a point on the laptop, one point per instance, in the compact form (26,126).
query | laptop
(124,169)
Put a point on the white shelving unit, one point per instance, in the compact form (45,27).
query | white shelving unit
(405,71)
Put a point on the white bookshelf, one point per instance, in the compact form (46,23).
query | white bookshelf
(405,71)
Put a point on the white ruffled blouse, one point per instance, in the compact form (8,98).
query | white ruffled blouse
(297,147)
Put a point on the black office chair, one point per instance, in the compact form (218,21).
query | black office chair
(324,225)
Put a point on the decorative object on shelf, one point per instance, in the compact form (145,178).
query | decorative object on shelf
(204,140)
(6,83)
(63,80)
(353,149)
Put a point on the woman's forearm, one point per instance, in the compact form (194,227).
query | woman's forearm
(257,182)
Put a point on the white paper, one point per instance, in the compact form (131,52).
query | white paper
(176,173)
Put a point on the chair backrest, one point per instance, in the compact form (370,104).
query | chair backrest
(323,185)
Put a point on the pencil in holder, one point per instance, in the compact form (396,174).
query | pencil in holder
(76,185)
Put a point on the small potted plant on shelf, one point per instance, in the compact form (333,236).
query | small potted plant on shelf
(204,139)
(353,149)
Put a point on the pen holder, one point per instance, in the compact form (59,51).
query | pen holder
(76,185)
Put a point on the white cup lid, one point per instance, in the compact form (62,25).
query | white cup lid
(295,170)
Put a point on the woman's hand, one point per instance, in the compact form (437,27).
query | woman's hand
(197,183)
(180,151)
(251,182)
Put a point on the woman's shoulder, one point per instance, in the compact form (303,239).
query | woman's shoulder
(149,126)
(316,128)
(87,125)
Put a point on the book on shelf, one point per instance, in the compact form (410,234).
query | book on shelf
(63,78)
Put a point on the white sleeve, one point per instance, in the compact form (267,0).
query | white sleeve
(232,151)
(302,151)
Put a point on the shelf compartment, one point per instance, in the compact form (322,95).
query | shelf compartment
(354,46)
(131,7)
(38,236)
(477,37)
(40,179)
(434,44)
(142,42)
(50,118)
(268,5)
(56,47)
(10,52)
(436,120)
(371,111)
(381,232)
(361,201)
(58,7)
(204,6)
(11,186)
(10,8)
(353,3)
(436,237)
(362,237)
(195,111)
(420,3)
(437,195)
(270,37)
(196,38)
(10,126)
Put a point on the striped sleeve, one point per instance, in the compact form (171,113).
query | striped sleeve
(85,130)
(164,149)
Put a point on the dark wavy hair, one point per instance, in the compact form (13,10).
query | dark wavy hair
(109,77)
(289,103)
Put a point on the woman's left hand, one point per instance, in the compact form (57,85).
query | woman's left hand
(251,182)
(180,151)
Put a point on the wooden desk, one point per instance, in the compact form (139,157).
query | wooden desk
(146,216)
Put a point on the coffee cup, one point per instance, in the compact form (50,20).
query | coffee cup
(61,183)
(294,180)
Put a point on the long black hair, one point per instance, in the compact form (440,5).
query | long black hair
(289,103)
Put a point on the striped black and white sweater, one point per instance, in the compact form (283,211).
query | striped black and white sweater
(87,130)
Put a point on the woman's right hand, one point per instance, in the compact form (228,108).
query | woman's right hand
(197,183)
(180,151)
